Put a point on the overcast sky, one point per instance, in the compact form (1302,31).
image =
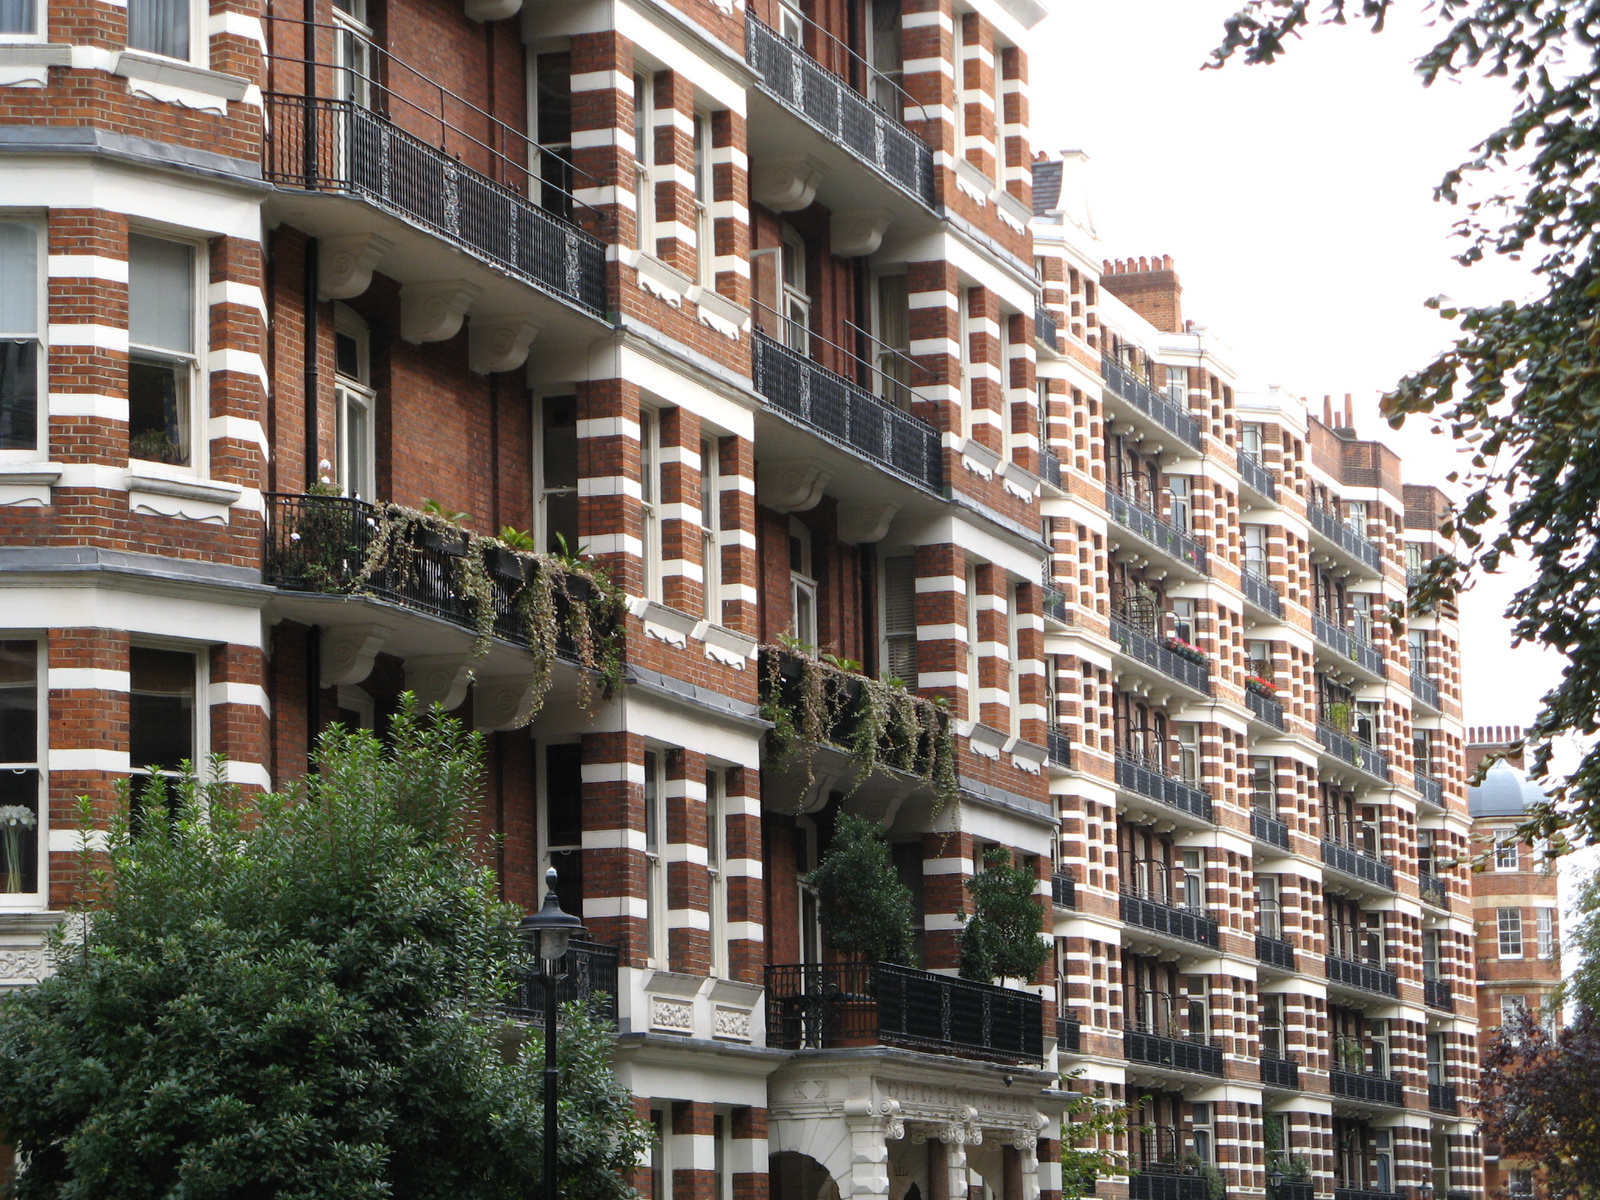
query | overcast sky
(1296,201)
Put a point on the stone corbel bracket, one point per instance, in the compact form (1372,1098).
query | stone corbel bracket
(786,184)
(866,524)
(500,343)
(348,653)
(792,486)
(439,678)
(857,232)
(433,312)
(345,264)
(500,704)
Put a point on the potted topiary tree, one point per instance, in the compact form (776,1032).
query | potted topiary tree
(1000,940)
(864,909)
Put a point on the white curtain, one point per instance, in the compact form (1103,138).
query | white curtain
(19,272)
(161,294)
(17,16)
(159,26)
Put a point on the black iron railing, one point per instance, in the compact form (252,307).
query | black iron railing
(1280,1071)
(1050,467)
(1343,1193)
(591,970)
(1148,776)
(1296,1189)
(1266,828)
(1275,952)
(1437,993)
(1368,977)
(1156,405)
(1442,1098)
(1058,744)
(1347,644)
(1044,327)
(1153,652)
(1064,889)
(1145,524)
(1069,1035)
(845,413)
(339,146)
(1431,789)
(1332,526)
(1357,753)
(1160,915)
(1199,1055)
(830,105)
(1255,475)
(834,1004)
(1357,863)
(1366,1086)
(1433,890)
(321,544)
(1264,708)
(1055,603)
(1425,690)
(1259,591)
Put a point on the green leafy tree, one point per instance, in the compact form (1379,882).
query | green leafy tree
(1540,1100)
(298,996)
(1521,384)
(1000,940)
(1089,1127)
(864,908)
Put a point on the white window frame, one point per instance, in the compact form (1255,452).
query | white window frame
(1510,1006)
(352,392)
(1201,1125)
(794,298)
(38,334)
(711,526)
(705,244)
(200,734)
(199,44)
(973,664)
(722,1154)
(660,1152)
(352,40)
(717,867)
(39,897)
(542,493)
(650,499)
(1014,657)
(1507,851)
(199,377)
(655,844)
(803,586)
(1177,389)
(1544,924)
(896,636)
(1508,924)
(36,34)
(644,154)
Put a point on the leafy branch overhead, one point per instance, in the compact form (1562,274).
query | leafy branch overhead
(1520,386)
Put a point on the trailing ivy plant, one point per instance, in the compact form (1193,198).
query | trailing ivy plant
(865,909)
(1000,940)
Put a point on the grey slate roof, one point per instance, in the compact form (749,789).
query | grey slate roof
(1046,186)
(1505,792)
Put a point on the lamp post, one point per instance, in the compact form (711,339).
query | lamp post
(1274,1178)
(548,932)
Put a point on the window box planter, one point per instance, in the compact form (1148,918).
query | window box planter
(508,564)
(453,544)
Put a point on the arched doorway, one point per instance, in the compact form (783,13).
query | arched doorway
(795,1176)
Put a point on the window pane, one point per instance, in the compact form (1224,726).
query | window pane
(160,708)
(19,831)
(17,16)
(19,393)
(19,257)
(158,410)
(19,702)
(347,356)
(159,26)
(160,291)
(563,778)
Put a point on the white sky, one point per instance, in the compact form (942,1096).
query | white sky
(1296,201)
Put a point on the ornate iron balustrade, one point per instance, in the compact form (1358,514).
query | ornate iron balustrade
(1357,864)
(1153,404)
(1264,708)
(1357,753)
(339,146)
(320,544)
(1280,1071)
(1044,327)
(1055,603)
(1349,645)
(1150,651)
(1069,1035)
(1259,591)
(846,413)
(1050,467)
(1275,952)
(1150,778)
(1266,828)
(1296,1189)
(835,1004)
(1433,890)
(1431,789)
(1366,1086)
(1174,920)
(1425,690)
(1442,1098)
(1331,526)
(1342,1193)
(1365,976)
(1437,993)
(1255,475)
(1064,889)
(591,971)
(1153,531)
(1059,748)
(835,109)
(1201,1056)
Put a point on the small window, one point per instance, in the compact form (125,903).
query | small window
(162,360)
(1545,925)
(352,48)
(161,710)
(644,188)
(802,586)
(717,869)
(356,448)
(704,235)
(899,588)
(660,1163)
(1512,1010)
(1204,1134)
(721,1131)
(1505,850)
(19,19)
(1250,439)
(21,356)
(163,27)
(1178,488)
(22,816)
(555,458)
(553,85)
(655,834)
(710,527)
(1178,386)
(650,499)
(1510,926)
(795,303)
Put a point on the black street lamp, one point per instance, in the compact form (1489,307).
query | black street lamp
(1274,1178)
(548,933)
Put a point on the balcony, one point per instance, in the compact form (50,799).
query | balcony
(1431,789)
(322,145)
(1155,652)
(1296,1189)
(1148,775)
(1344,1193)
(1363,976)
(846,413)
(1044,328)
(1266,828)
(1050,467)
(1156,405)
(1279,1070)
(1360,755)
(1426,691)
(829,1005)
(1059,748)
(1442,1098)
(1263,707)
(1357,546)
(1357,863)
(1254,475)
(1054,603)
(1159,915)
(1142,521)
(1366,1086)
(1201,1056)
(836,110)
(591,971)
(1069,1036)
(1275,952)
(1437,993)
(1158,1167)
(1258,590)
(1064,890)
(1433,890)
(1347,645)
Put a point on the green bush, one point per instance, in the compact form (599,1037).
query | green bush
(864,908)
(1000,940)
